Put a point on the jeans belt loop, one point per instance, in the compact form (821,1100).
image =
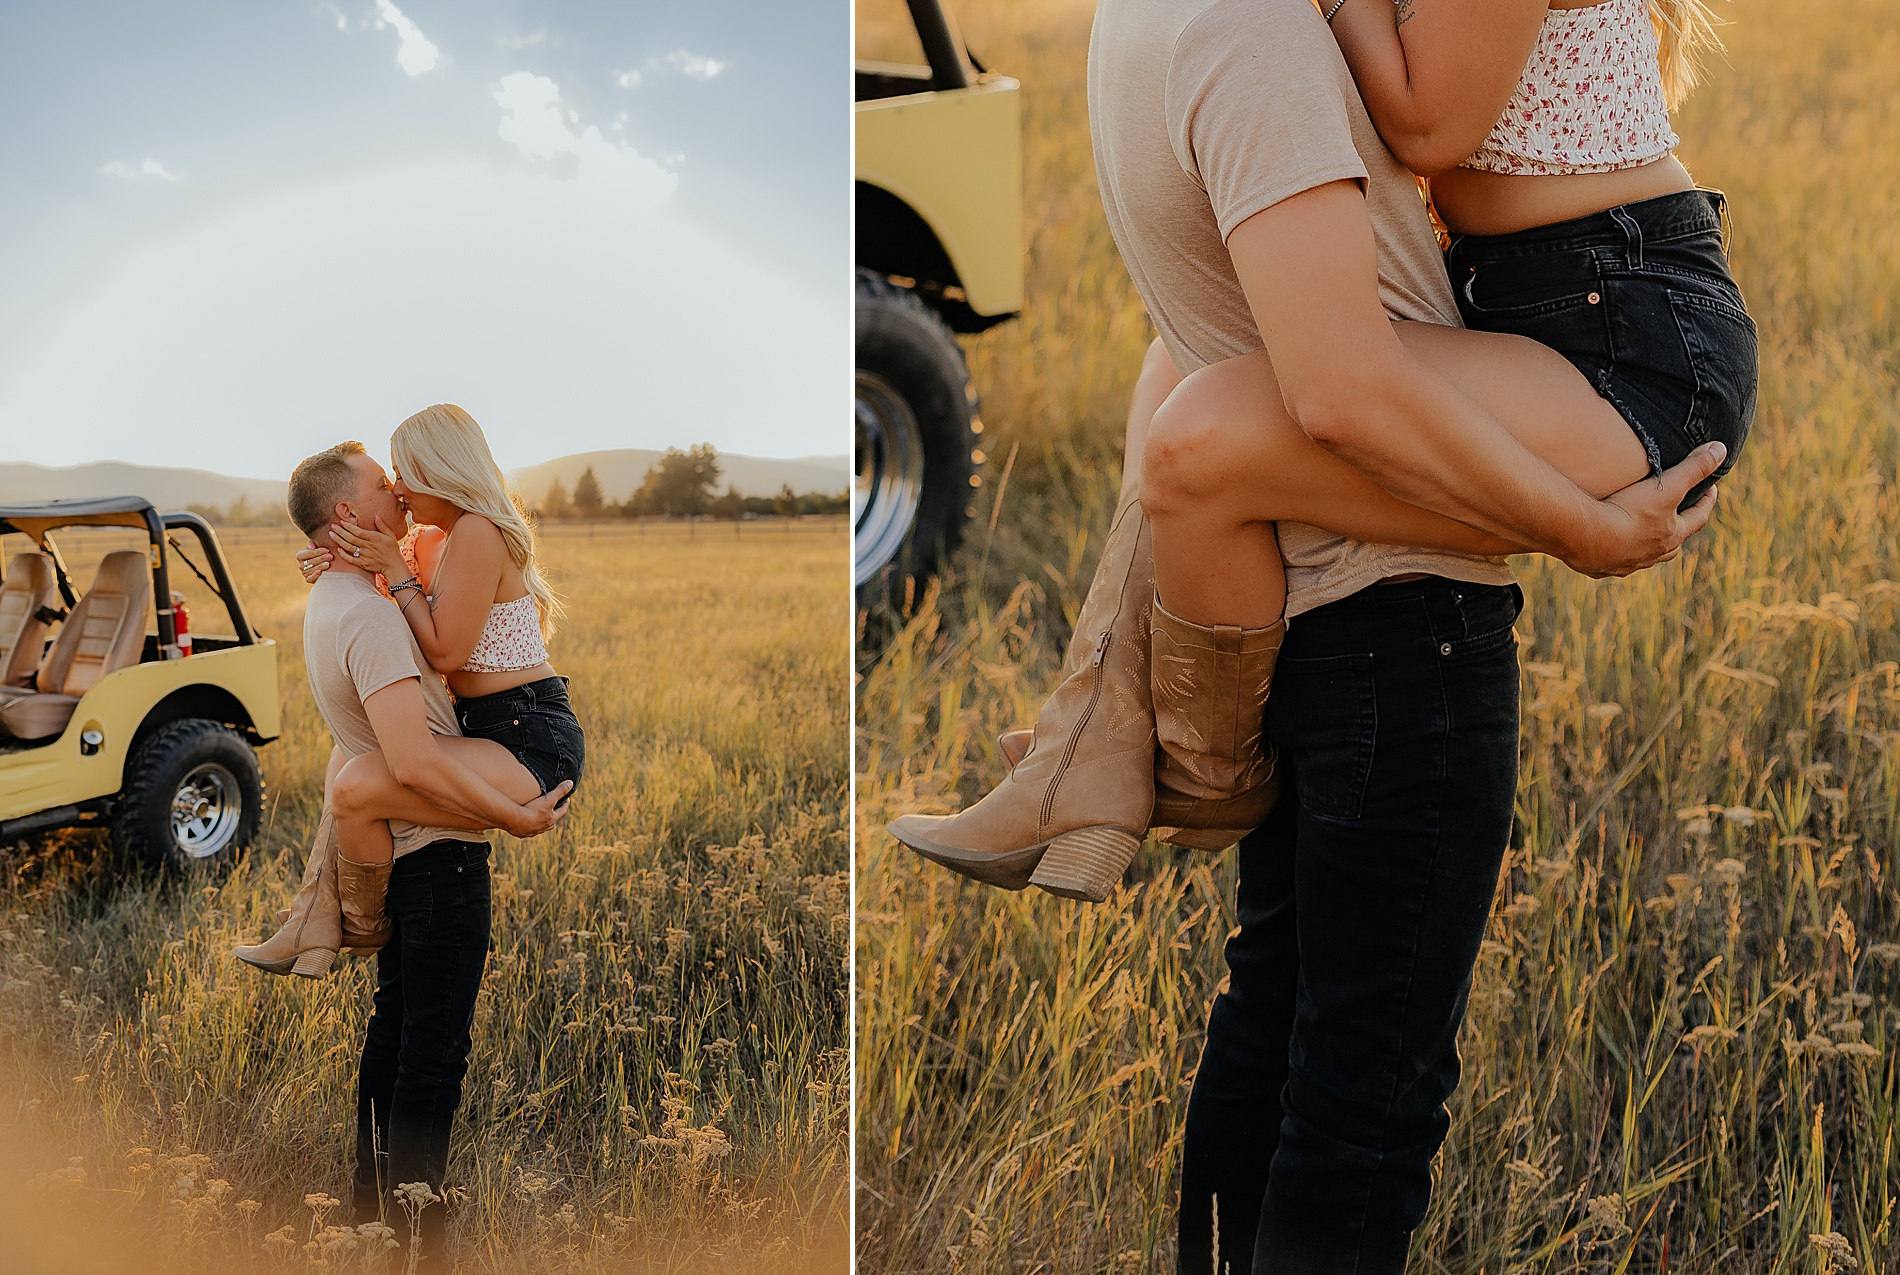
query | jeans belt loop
(1722,219)
(1632,235)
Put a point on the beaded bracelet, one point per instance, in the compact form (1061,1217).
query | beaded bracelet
(1337,5)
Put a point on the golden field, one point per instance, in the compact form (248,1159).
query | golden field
(659,1080)
(1680,1053)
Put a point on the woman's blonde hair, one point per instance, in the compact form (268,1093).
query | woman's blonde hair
(441,452)
(1685,31)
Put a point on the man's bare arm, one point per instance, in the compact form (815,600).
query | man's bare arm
(418,762)
(1309,269)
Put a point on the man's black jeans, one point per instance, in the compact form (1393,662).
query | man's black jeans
(1320,1098)
(415,1049)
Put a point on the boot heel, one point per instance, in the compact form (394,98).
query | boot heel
(314,963)
(1086,864)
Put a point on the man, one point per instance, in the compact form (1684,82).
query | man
(377,692)
(1250,194)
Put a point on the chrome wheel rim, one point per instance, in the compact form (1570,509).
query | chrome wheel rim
(206,809)
(889,484)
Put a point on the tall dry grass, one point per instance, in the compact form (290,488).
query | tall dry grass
(659,1079)
(1680,1051)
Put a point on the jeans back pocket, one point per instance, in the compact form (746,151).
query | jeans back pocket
(1723,358)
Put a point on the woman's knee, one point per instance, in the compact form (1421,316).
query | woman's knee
(1181,465)
(360,787)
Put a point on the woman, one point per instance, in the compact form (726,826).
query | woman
(480,611)
(1572,225)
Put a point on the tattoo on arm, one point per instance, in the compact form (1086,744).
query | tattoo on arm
(1405,10)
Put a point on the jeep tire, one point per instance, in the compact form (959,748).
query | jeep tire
(191,798)
(915,421)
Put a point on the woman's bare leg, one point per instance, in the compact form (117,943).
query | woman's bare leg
(1157,380)
(1224,461)
(366,796)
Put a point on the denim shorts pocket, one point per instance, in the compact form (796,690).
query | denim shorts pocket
(1329,717)
(484,719)
(1722,345)
(1496,312)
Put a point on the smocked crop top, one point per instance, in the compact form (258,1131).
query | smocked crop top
(511,640)
(1590,99)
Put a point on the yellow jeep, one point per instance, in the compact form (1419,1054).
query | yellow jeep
(148,731)
(939,251)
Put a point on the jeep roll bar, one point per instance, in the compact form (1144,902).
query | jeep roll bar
(36,520)
(943,46)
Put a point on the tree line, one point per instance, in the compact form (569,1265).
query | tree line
(681,484)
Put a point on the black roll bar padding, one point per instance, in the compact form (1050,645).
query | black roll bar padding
(60,574)
(161,580)
(208,539)
(943,48)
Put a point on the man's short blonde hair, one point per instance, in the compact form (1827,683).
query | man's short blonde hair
(318,483)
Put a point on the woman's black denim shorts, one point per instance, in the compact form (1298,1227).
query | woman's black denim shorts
(535,722)
(1640,299)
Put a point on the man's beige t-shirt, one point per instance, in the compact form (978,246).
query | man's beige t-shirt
(355,643)
(1205,112)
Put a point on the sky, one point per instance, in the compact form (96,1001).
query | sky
(234,233)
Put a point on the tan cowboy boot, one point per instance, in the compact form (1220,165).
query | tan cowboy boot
(363,889)
(1071,814)
(1014,744)
(306,944)
(1215,778)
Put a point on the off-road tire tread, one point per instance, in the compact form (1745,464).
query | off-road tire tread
(911,346)
(159,760)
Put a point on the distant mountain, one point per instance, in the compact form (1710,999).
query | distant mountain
(622,470)
(166,488)
(619,472)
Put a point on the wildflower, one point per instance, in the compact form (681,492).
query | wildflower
(1814,1043)
(377,1236)
(248,1207)
(1837,1252)
(533,1185)
(1604,712)
(1728,872)
(282,1240)
(1607,1213)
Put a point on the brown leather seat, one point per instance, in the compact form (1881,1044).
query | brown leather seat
(104,634)
(29,586)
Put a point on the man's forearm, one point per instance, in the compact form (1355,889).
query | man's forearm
(1428,444)
(454,787)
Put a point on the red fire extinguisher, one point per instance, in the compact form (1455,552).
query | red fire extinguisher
(181,624)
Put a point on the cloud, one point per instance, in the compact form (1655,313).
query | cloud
(537,123)
(693,66)
(415,54)
(516,40)
(131,173)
